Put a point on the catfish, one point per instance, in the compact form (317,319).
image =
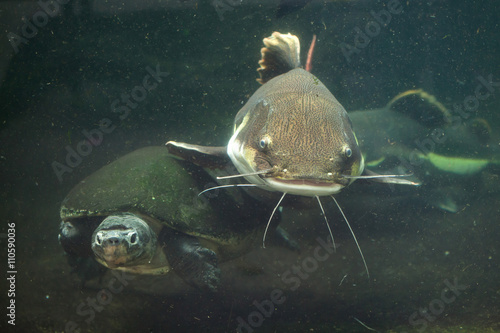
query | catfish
(292,136)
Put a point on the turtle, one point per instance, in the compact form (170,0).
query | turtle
(142,214)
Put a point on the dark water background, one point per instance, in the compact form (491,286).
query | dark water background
(65,80)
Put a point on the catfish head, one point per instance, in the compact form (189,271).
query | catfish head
(293,136)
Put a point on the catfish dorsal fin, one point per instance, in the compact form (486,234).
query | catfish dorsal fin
(203,156)
(281,55)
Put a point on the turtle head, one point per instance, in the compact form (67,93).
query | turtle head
(123,240)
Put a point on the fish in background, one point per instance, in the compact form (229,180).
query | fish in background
(415,133)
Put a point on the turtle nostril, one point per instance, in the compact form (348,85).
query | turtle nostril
(133,238)
(113,241)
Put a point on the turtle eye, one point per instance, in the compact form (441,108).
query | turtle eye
(347,152)
(133,238)
(98,239)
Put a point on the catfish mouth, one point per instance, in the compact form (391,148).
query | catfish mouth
(307,182)
(304,187)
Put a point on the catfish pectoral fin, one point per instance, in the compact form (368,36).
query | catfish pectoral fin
(203,156)
(374,177)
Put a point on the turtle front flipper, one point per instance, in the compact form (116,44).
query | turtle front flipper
(86,268)
(195,264)
(74,238)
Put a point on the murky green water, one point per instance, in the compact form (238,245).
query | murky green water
(432,251)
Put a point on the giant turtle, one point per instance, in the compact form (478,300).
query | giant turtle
(142,214)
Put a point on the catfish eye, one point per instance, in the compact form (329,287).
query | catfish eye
(264,143)
(348,152)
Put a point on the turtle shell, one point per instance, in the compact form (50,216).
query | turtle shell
(152,182)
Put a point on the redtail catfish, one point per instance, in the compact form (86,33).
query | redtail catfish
(292,136)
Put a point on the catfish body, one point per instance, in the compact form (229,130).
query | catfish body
(292,136)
